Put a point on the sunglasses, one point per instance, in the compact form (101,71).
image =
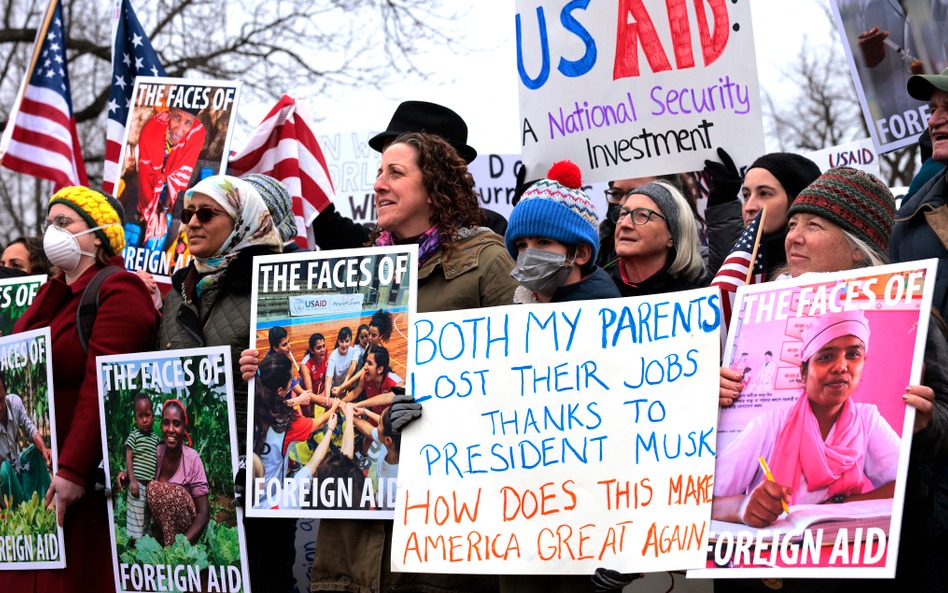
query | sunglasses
(204,214)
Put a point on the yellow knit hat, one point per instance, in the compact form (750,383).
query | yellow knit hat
(97,209)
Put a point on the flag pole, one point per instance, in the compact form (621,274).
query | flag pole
(760,234)
(37,45)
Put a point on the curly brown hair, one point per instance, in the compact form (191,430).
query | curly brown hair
(454,203)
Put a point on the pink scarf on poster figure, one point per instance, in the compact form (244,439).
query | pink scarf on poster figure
(800,449)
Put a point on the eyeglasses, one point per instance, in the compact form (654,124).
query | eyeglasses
(614,195)
(60,221)
(640,216)
(204,214)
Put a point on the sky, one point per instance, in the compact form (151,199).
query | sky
(482,85)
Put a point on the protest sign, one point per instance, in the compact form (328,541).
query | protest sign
(495,179)
(16,295)
(826,359)
(859,154)
(881,64)
(353,167)
(172,529)
(30,537)
(178,132)
(559,438)
(318,442)
(587,95)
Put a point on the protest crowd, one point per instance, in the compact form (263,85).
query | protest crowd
(554,248)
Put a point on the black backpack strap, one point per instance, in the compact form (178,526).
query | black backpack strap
(89,305)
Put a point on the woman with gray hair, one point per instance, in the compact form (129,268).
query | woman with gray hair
(656,241)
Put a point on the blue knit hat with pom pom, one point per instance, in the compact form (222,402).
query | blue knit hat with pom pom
(555,208)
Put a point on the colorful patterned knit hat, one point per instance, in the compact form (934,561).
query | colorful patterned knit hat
(555,208)
(96,209)
(278,201)
(855,200)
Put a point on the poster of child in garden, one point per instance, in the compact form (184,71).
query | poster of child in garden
(331,331)
(168,425)
(29,535)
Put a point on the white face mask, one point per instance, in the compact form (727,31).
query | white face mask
(62,248)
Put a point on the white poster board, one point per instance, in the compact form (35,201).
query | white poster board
(560,438)
(858,154)
(632,88)
(839,523)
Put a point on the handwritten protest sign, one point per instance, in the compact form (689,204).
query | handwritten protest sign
(881,64)
(16,295)
(560,438)
(353,165)
(333,456)
(631,88)
(859,154)
(826,359)
(172,530)
(197,118)
(495,179)
(30,537)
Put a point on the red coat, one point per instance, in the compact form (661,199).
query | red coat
(154,172)
(125,323)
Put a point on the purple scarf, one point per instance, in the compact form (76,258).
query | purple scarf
(429,242)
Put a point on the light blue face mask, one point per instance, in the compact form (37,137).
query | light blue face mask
(541,271)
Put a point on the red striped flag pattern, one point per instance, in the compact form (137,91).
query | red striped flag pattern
(284,146)
(41,140)
(132,54)
(733,273)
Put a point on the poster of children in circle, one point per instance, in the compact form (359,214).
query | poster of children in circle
(168,427)
(813,454)
(331,331)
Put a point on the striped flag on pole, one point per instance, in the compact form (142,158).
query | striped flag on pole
(40,137)
(132,54)
(284,146)
(737,270)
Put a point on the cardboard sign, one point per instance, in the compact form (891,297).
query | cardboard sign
(881,68)
(331,457)
(863,340)
(30,536)
(859,154)
(635,88)
(197,118)
(155,406)
(559,438)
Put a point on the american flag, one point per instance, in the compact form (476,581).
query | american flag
(132,54)
(737,266)
(284,146)
(40,138)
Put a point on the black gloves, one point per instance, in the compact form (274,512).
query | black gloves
(404,410)
(726,180)
(605,580)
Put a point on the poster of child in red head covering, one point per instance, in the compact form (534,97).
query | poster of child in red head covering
(813,454)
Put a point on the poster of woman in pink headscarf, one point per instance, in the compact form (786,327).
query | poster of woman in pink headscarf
(813,455)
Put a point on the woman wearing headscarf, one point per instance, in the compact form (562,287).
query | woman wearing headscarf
(209,305)
(83,237)
(824,447)
(177,496)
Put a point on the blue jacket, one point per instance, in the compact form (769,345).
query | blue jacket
(913,238)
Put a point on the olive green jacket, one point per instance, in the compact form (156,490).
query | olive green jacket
(355,555)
